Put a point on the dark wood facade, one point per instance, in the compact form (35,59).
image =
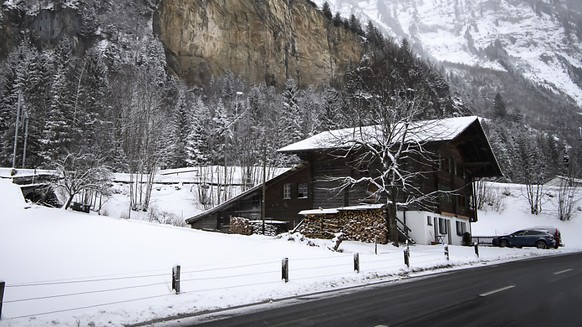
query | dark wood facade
(286,195)
(448,175)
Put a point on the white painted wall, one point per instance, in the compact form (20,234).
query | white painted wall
(423,233)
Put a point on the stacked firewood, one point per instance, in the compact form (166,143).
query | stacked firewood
(320,226)
(244,226)
(367,225)
(239,225)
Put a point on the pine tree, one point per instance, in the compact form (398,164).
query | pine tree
(355,25)
(292,117)
(181,124)
(311,109)
(331,117)
(373,35)
(15,80)
(38,93)
(326,10)
(337,19)
(198,140)
(499,108)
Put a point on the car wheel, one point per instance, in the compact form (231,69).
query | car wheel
(541,245)
(503,243)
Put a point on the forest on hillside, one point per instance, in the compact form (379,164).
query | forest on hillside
(124,110)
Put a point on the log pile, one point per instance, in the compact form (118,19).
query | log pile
(244,226)
(239,225)
(366,225)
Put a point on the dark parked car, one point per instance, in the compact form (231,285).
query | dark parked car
(526,237)
(554,231)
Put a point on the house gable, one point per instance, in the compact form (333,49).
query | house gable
(248,204)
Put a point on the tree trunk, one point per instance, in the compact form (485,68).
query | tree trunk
(390,211)
(69,200)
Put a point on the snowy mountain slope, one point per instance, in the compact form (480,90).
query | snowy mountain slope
(538,41)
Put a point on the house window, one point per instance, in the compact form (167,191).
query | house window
(442,226)
(461,228)
(441,162)
(286,191)
(302,191)
(461,170)
(428,221)
(461,201)
(445,196)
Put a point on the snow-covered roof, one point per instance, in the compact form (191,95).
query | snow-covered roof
(419,131)
(330,211)
(319,211)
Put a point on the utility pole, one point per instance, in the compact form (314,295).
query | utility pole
(264,188)
(26,119)
(16,129)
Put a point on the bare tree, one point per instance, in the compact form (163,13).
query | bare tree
(81,173)
(568,198)
(144,134)
(392,157)
(485,194)
(532,172)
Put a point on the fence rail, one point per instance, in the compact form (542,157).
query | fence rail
(48,294)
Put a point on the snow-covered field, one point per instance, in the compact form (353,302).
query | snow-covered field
(64,268)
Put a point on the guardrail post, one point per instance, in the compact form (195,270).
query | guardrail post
(447,251)
(285,270)
(2,285)
(176,279)
(476,249)
(357,262)
(407,257)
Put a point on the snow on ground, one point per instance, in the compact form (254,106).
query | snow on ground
(515,214)
(64,268)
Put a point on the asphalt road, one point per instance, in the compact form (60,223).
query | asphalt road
(536,292)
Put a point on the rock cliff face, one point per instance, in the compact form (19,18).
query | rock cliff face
(263,41)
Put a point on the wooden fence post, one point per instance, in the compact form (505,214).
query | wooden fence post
(2,285)
(285,270)
(477,249)
(357,262)
(176,279)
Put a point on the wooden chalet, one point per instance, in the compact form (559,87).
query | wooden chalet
(459,151)
(307,197)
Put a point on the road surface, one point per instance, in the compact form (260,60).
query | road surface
(543,291)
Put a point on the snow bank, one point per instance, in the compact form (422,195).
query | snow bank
(11,199)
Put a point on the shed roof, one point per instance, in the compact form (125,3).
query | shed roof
(246,194)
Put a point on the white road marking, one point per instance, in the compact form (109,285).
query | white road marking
(563,271)
(497,290)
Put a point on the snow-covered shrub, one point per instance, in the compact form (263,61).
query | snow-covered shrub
(164,217)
